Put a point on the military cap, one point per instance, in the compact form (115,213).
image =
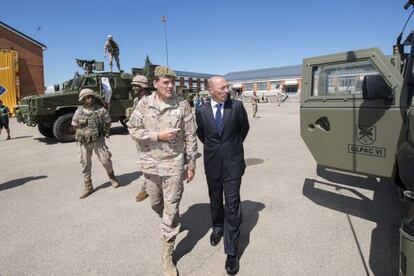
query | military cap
(86,92)
(162,71)
(140,80)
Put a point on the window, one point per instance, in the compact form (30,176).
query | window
(291,88)
(248,87)
(262,86)
(90,82)
(341,79)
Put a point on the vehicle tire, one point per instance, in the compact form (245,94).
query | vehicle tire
(46,130)
(63,130)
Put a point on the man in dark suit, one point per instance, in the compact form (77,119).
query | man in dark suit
(222,127)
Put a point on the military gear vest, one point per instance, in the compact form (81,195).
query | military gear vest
(90,126)
(113,47)
(4,112)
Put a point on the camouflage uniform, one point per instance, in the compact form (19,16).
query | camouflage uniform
(99,145)
(92,126)
(113,52)
(163,163)
(254,105)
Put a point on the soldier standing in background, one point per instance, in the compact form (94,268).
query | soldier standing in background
(4,119)
(112,48)
(139,84)
(92,125)
(164,127)
(255,100)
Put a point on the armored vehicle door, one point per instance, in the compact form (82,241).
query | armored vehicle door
(350,111)
(121,90)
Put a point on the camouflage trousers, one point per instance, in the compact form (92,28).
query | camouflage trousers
(165,195)
(102,153)
(254,109)
(116,57)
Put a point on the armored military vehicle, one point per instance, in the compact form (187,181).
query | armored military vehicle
(52,113)
(357,115)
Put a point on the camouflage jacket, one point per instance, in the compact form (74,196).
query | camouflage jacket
(160,157)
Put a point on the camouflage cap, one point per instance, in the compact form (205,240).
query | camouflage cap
(140,80)
(86,92)
(162,71)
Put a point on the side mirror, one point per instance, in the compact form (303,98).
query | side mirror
(374,87)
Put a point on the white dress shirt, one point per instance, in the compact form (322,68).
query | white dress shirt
(214,107)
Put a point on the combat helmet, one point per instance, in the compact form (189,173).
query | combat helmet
(140,80)
(86,92)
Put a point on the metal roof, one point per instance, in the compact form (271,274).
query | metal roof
(193,74)
(266,73)
(23,35)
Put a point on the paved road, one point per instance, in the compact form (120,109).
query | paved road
(298,220)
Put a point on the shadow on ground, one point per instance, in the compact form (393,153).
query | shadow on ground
(385,209)
(119,130)
(20,137)
(197,221)
(18,182)
(253,161)
(49,141)
(124,180)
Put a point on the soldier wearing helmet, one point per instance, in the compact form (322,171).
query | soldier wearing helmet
(139,84)
(112,49)
(164,128)
(92,126)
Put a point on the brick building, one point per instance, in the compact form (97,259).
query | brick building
(267,82)
(30,59)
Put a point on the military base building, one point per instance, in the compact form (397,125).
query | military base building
(192,80)
(21,65)
(285,81)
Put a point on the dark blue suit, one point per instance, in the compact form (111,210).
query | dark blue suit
(224,166)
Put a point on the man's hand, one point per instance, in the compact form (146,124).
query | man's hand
(190,174)
(168,135)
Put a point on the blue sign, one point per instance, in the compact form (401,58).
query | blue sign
(2,90)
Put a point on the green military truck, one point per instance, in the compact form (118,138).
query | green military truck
(357,115)
(52,113)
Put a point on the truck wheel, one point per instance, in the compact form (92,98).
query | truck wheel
(46,130)
(63,130)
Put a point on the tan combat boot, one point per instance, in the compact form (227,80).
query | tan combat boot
(87,190)
(113,179)
(141,195)
(168,265)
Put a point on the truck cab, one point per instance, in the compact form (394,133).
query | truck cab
(357,115)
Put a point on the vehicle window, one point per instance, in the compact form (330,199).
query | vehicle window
(90,82)
(76,84)
(341,79)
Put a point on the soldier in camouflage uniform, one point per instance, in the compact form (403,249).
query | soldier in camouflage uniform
(255,100)
(92,126)
(164,128)
(139,83)
(112,48)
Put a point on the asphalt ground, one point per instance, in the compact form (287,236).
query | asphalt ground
(298,219)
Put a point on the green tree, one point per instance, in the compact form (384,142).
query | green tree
(148,69)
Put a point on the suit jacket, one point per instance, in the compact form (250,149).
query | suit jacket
(223,152)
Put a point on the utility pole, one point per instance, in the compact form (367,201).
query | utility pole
(164,19)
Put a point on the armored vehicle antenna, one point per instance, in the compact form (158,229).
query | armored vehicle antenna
(398,47)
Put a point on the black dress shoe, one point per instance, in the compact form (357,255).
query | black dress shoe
(215,237)
(232,265)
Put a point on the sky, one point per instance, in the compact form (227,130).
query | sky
(212,36)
